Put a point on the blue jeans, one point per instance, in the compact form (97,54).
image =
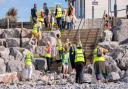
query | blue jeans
(69,25)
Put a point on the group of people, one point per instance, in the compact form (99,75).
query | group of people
(65,53)
(70,54)
(63,18)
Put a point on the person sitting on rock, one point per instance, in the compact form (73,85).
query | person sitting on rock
(65,61)
(99,62)
(36,34)
(28,56)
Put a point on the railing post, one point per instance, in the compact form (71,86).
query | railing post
(7,23)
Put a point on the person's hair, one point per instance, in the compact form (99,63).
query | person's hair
(58,36)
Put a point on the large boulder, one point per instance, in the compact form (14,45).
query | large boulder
(3,42)
(54,33)
(9,78)
(52,40)
(4,52)
(113,76)
(12,33)
(120,55)
(109,45)
(16,53)
(12,42)
(26,33)
(25,42)
(2,66)
(15,66)
(121,32)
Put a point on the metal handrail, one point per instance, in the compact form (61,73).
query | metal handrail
(78,30)
(100,30)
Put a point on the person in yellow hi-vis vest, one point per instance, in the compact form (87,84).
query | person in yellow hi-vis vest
(59,47)
(58,15)
(28,56)
(79,63)
(36,33)
(48,51)
(99,62)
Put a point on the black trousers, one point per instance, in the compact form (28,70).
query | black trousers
(58,22)
(46,22)
(48,63)
(79,71)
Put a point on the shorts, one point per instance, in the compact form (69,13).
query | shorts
(36,35)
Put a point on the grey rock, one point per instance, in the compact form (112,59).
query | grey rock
(16,53)
(4,52)
(54,33)
(25,42)
(12,42)
(26,33)
(87,78)
(121,32)
(15,66)
(113,76)
(12,33)
(109,45)
(2,66)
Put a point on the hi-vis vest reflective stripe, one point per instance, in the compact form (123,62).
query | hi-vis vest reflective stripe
(28,60)
(96,58)
(39,17)
(35,28)
(79,56)
(59,13)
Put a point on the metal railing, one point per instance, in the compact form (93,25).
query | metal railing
(100,33)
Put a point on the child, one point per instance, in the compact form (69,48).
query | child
(65,61)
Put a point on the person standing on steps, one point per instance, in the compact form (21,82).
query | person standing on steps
(59,47)
(46,11)
(99,62)
(58,15)
(28,56)
(79,63)
(34,13)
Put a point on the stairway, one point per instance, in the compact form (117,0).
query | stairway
(88,38)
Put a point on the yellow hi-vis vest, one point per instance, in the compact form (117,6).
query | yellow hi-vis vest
(35,28)
(96,58)
(48,55)
(28,59)
(79,56)
(59,44)
(59,13)
(39,17)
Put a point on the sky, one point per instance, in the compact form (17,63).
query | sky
(24,7)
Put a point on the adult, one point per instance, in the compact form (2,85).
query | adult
(59,46)
(28,56)
(107,34)
(46,11)
(48,51)
(99,62)
(79,64)
(71,18)
(58,15)
(34,13)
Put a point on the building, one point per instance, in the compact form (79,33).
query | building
(84,8)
